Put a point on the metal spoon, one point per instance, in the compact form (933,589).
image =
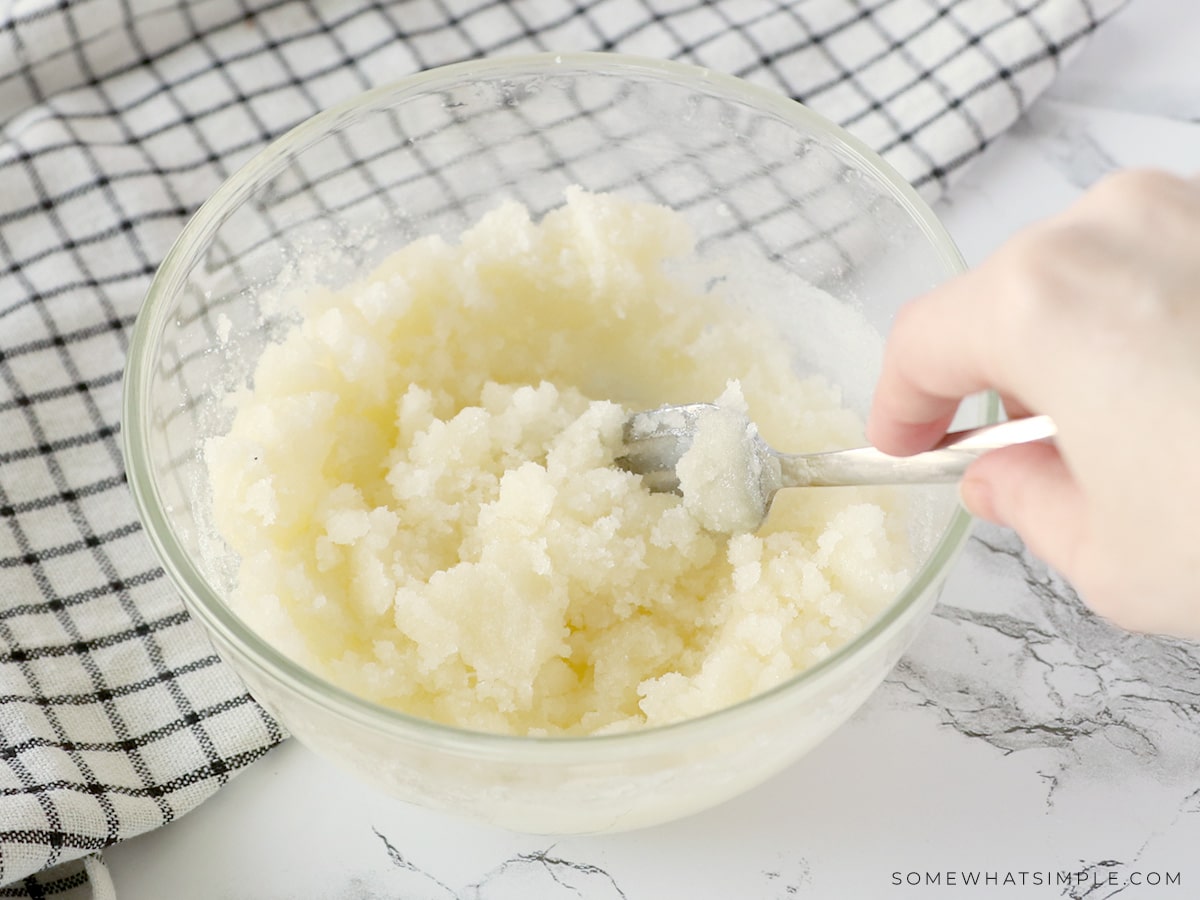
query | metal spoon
(656,440)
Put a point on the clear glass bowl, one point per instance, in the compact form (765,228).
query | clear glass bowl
(759,178)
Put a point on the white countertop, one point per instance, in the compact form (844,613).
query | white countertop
(1018,735)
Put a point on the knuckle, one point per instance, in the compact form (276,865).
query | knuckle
(1096,254)
(1043,270)
(1149,203)
(907,319)
(1137,186)
(909,329)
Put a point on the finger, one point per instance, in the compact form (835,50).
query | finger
(932,360)
(1014,408)
(900,438)
(1029,488)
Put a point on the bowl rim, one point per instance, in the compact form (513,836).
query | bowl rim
(202,599)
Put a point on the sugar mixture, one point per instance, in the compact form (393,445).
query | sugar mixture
(419,484)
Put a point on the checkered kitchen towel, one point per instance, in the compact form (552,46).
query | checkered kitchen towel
(117,118)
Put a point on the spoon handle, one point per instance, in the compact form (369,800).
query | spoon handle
(945,462)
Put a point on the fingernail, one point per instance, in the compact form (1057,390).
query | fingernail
(979,499)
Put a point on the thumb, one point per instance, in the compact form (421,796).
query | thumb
(1029,488)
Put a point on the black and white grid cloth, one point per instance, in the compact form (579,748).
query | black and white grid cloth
(117,119)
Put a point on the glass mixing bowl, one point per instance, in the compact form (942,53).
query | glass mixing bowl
(759,178)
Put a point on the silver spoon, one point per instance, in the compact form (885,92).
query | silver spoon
(656,440)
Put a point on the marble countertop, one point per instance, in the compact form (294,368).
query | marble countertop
(1020,738)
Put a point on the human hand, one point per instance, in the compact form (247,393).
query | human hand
(1092,317)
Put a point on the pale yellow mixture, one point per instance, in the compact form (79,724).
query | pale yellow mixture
(420,487)
(720,474)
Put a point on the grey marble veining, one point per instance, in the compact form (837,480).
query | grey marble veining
(544,874)
(1021,663)
(1069,143)
(540,873)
